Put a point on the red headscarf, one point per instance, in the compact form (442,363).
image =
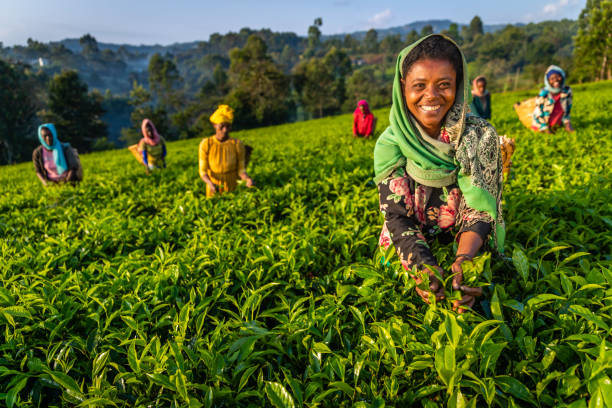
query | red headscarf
(156,138)
(366,107)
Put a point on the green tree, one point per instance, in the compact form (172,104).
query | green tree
(391,44)
(75,112)
(427,30)
(453,32)
(165,82)
(370,41)
(259,89)
(594,41)
(143,108)
(314,37)
(367,83)
(473,30)
(321,84)
(18,113)
(411,37)
(89,44)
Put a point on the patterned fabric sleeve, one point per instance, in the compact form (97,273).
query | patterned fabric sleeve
(397,206)
(540,114)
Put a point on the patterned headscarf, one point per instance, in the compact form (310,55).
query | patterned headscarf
(471,159)
(553,69)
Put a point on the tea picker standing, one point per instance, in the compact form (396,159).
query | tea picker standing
(222,159)
(481,98)
(364,122)
(54,161)
(553,104)
(438,169)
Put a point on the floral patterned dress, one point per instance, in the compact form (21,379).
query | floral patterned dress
(413,211)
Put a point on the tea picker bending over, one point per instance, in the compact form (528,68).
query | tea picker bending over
(152,147)
(553,104)
(438,170)
(222,159)
(55,162)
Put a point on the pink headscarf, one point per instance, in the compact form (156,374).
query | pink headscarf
(475,91)
(156,137)
(366,107)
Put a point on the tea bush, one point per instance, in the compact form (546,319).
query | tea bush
(136,290)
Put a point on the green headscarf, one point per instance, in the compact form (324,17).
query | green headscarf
(433,163)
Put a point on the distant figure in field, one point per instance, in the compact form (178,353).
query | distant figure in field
(364,122)
(553,104)
(222,159)
(438,169)
(55,162)
(152,147)
(481,98)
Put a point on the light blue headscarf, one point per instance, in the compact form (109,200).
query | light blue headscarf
(553,69)
(58,152)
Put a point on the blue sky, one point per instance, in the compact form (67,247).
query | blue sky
(169,21)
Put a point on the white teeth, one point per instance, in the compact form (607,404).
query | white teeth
(430,108)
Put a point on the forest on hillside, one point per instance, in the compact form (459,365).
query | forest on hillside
(97,96)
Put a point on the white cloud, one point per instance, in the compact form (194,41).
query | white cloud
(556,7)
(380,18)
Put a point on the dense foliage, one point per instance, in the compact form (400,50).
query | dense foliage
(135,290)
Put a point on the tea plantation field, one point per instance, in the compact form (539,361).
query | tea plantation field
(136,290)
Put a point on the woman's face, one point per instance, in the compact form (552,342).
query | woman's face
(222,130)
(430,87)
(482,86)
(149,131)
(555,80)
(361,108)
(47,136)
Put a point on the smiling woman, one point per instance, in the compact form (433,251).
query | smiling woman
(438,170)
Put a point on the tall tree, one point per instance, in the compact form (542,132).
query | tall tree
(143,107)
(427,30)
(165,82)
(594,41)
(411,37)
(89,44)
(259,89)
(19,105)
(370,41)
(314,37)
(473,30)
(75,112)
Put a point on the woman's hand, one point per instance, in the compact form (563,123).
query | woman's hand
(468,294)
(249,182)
(435,286)
(212,187)
(568,127)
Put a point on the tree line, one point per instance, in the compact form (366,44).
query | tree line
(271,78)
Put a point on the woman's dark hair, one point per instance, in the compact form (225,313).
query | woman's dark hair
(438,48)
(482,79)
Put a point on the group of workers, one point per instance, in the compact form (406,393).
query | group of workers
(438,166)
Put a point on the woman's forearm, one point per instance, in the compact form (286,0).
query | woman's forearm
(469,244)
(41,178)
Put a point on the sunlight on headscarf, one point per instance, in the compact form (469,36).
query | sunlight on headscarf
(223,114)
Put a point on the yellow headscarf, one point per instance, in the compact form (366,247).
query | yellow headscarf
(223,114)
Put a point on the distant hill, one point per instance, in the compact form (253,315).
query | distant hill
(438,25)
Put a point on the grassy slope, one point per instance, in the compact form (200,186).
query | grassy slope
(125,260)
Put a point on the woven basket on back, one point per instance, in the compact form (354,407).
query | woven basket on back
(134,150)
(524,110)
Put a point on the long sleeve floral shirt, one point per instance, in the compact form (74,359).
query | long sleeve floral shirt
(414,211)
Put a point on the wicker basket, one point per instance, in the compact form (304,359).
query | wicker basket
(524,110)
(134,150)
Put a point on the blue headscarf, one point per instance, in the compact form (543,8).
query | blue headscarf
(553,69)
(58,152)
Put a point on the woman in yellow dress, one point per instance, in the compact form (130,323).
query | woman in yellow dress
(222,158)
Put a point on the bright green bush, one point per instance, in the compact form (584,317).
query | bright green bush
(135,290)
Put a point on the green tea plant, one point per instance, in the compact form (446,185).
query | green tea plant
(136,290)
